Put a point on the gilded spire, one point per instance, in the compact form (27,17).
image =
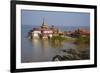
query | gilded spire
(43,22)
(44,25)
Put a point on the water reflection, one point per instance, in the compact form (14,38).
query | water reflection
(48,50)
(56,44)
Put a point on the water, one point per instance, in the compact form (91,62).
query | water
(38,50)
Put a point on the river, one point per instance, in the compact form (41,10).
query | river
(38,50)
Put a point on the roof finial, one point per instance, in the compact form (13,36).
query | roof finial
(44,25)
(43,22)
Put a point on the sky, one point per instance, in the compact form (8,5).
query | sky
(35,17)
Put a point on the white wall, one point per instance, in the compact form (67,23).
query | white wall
(5,37)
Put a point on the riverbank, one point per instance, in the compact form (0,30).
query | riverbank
(78,40)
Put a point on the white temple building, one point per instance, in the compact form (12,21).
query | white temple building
(43,31)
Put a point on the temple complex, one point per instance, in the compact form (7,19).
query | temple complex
(44,31)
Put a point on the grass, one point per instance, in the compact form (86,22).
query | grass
(78,40)
(84,40)
(59,38)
